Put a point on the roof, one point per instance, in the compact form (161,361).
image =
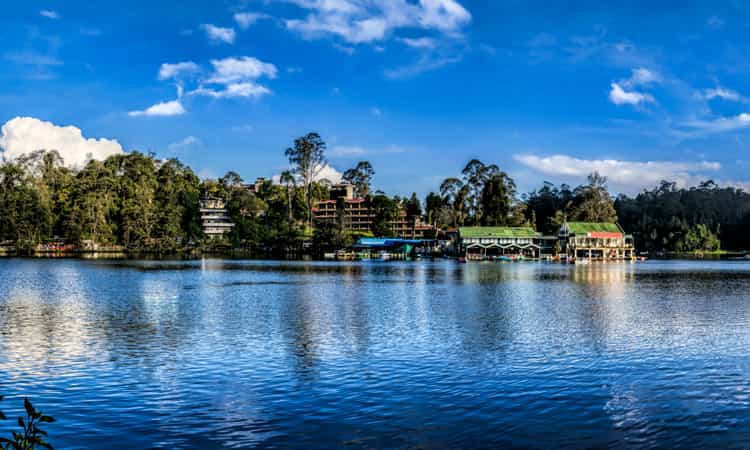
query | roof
(592,227)
(386,242)
(497,232)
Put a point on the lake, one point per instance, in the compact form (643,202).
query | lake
(236,354)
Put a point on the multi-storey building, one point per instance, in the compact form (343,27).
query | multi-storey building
(357,216)
(215,218)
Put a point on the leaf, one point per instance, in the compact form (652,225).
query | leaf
(47,419)
(2,416)
(27,405)
(21,423)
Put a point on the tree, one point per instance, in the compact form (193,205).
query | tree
(433,207)
(361,177)
(475,176)
(455,194)
(593,202)
(699,238)
(385,211)
(497,201)
(307,159)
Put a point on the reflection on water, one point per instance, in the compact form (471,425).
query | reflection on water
(213,353)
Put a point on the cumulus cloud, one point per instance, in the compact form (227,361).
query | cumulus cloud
(23,135)
(48,13)
(230,70)
(219,34)
(623,92)
(367,21)
(229,78)
(169,71)
(620,96)
(236,78)
(247,19)
(170,108)
(631,175)
(327,172)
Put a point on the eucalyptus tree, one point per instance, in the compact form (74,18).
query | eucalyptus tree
(498,200)
(287,180)
(361,177)
(307,159)
(475,175)
(593,202)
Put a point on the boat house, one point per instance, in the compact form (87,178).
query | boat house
(596,241)
(479,243)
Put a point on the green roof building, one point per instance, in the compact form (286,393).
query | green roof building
(595,240)
(479,243)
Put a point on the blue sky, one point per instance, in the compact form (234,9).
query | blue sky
(547,90)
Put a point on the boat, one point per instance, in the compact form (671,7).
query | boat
(505,258)
(385,256)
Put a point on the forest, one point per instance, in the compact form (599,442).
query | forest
(144,204)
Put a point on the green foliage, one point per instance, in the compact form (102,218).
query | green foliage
(592,202)
(699,239)
(497,201)
(30,437)
(385,211)
(361,177)
(660,218)
(484,195)
(307,158)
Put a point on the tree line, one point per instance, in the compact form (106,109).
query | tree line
(141,203)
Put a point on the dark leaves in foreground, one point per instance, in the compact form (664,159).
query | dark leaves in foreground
(31,437)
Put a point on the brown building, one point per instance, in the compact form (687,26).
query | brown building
(358,217)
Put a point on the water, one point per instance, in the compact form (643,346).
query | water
(236,354)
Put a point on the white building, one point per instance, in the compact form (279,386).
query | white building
(214,217)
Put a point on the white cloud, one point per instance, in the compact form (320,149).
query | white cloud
(236,78)
(234,90)
(31,58)
(424,64)
(167,71)
(170,108)
(219,34)
(423,42)
(23,135)
(722,124)
(352,151)
(183,143)
(48,13)
(247,19)
(622,92)
(231,70)
(722,93)
(327,172)
(330,174)
(626,174)
(620,96)
(367,21)
(642,76)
